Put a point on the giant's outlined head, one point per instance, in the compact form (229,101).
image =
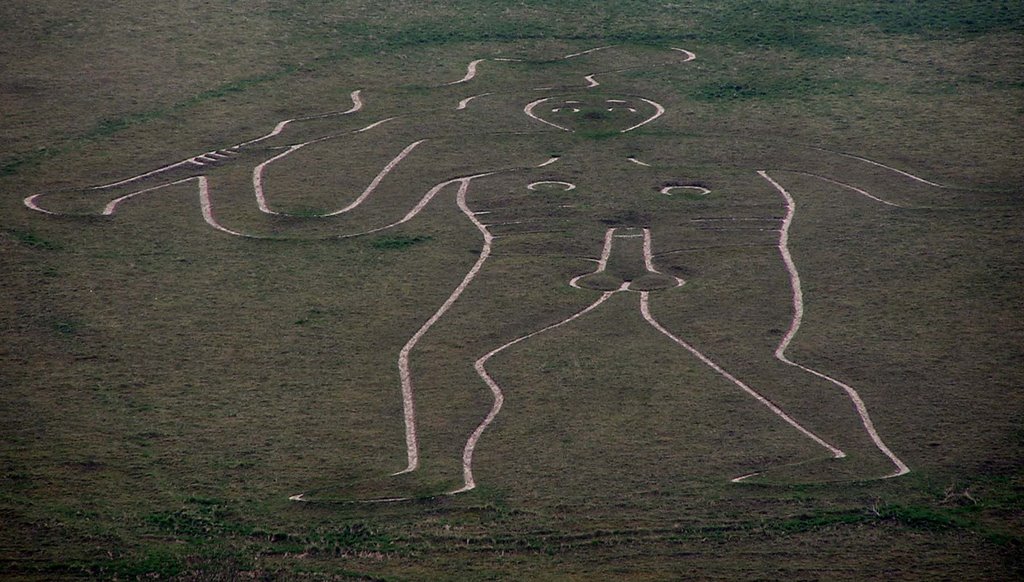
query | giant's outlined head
(594,113)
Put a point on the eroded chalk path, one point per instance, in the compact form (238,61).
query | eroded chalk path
(261,199)
(651,280)
(901,468)
(645,310)
(614,284)
(405,375)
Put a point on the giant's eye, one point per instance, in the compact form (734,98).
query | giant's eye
(619,105)
(570,105)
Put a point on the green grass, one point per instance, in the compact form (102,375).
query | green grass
(109,127)
(106,128)
(398,242)
(33,240)
(164,387)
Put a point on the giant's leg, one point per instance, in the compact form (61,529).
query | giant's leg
(745,315)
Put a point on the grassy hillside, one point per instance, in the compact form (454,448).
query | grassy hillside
(165,386)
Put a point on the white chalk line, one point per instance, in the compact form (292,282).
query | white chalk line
(30,202)
(465,102)
(210,219)
(166,168)
(357,104)
(881,165)
(566,185)
(470,72)
(368,127)
(419,205)
(649,258)
(689,55)
(528,110)
(498,393)
(638,162)
(257,179)
(606,252)
(424,201)
(848,187)
(734,219)
(111,206)
(328,137)
(794,327)
(301,498)
(592,82)
(667,190)
(773,468)
(261,201)
(205,204)
(646,312)
(588,51)
(207,208)
(480,366)
(659,111)
(550,161)
(277,130)
(208,215)
(602,263)
(408,400)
